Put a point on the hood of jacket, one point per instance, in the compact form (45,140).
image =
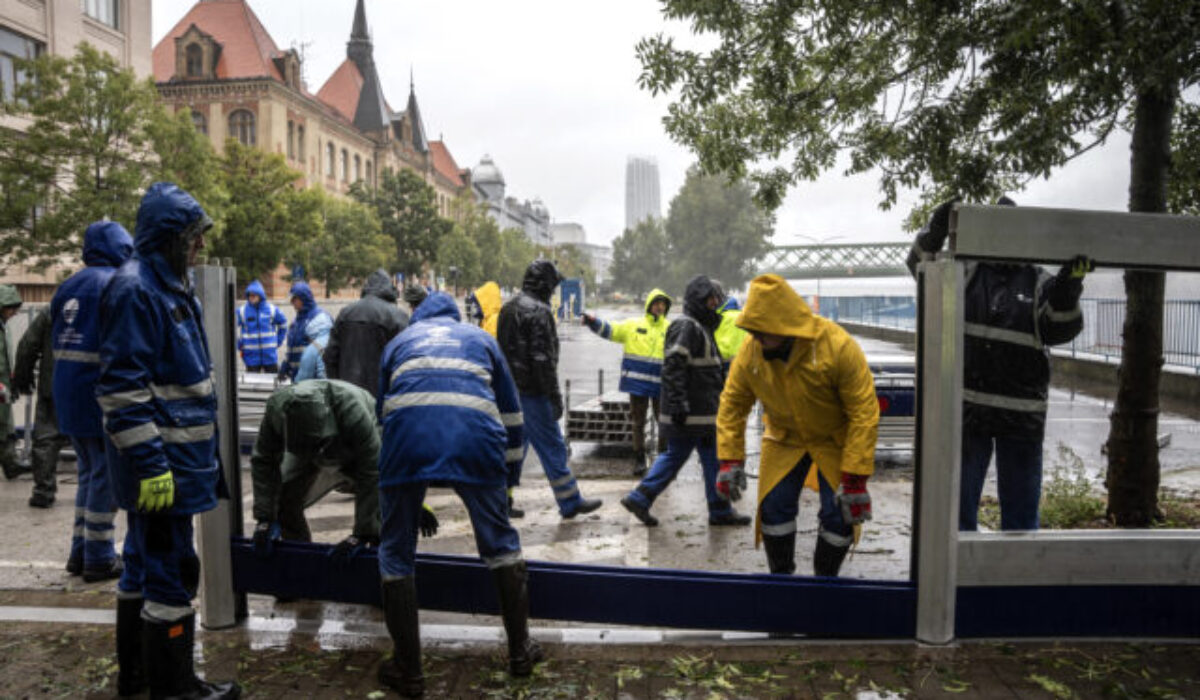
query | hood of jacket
(488,297)
(379,284)
(695,297)
(655,295)
(307,301)
(256,287)
(308,421)
(730,304)
(437,305)
(773,307)
(541,277)
(106,244)
(165,211)
(9,296)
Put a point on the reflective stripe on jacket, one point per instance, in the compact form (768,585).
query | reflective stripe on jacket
(448,404)
(643,338)
(75,329)
(155,385)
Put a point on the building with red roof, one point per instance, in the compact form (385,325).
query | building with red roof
(222,64)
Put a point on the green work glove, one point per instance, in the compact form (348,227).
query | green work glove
(156,493)
(1080,266)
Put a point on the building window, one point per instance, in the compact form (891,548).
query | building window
(14,46)
(194,58)
(357,168)
(300,142)
(370,180)
(241,127)
(103,11)
(330,157)
(200,122)
(345,165)
(291,152)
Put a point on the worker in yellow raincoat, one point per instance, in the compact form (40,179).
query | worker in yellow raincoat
(818,397)
(488,298)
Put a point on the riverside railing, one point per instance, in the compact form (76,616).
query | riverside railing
(1103,321)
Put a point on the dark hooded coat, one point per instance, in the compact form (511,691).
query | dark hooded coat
(528,336)
(361,332)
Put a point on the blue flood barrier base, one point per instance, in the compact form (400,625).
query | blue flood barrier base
(814,607)
(1078,611)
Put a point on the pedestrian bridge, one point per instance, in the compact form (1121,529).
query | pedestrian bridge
(831,261)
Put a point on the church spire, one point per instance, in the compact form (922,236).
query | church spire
(371,113)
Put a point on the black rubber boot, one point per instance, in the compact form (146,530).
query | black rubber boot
(730,519)
(781,553)
(586,505)
(131,674)
(827,558)
(639,511)
(523,651)
(403,672)
(513,510)
(168,653)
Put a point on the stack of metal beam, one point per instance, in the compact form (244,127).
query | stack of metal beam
(602,419)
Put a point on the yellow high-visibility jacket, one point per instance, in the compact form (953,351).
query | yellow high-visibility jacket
(641,367)
(821,400)
(488,297)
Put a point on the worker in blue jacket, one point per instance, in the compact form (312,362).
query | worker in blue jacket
(451,417)
(160,410)
(298,335)
(262,328)
(75,339)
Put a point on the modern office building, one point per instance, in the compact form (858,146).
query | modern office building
(642,199)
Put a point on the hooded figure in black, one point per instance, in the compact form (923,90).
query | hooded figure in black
(361,332)
(692,379)
(1013,313)
(529,338)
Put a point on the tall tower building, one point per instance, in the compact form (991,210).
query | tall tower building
(641,191)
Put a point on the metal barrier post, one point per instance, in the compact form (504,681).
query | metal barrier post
(219,606)
(939,448)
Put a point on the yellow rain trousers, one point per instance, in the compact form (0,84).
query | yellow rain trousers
(821,400)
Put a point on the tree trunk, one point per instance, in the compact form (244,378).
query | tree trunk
(1133,466)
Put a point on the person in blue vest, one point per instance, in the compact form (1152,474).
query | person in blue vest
(298,336)
(160,411)
(451,417)
(75,339)
(262,328)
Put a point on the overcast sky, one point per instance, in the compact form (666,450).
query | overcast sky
(549,89)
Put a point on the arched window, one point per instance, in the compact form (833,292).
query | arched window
(357,168)
(200,122)
(241,127)
(370,179)
(345,165)
(291,148)
(194,57)
(300,142)
(330,158)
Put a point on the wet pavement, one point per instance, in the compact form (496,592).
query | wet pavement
(328,650)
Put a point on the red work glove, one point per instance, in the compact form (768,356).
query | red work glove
(731,479)
(854,500)
(4,398)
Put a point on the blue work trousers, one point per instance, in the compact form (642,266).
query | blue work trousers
(495,538)
(160,563)
(542,431)
(781,505)
(95,507)
(1018,480)
(667,465)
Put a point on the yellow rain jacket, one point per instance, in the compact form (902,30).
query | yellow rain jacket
(821,400)
(488,297)
(728,336)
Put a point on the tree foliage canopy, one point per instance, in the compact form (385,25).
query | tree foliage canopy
(407,208)
(350,246)
(85,154)
(269,220)
(715,228)
(970,97)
